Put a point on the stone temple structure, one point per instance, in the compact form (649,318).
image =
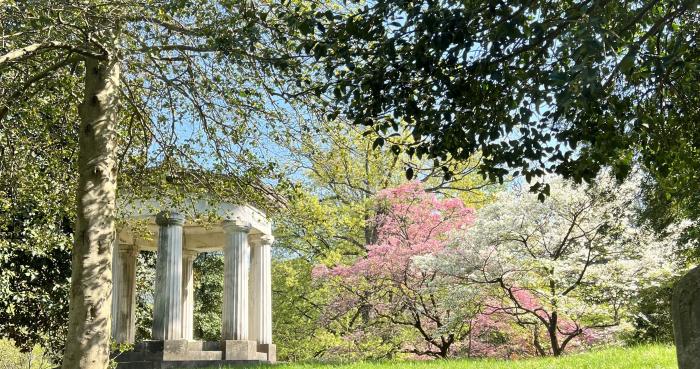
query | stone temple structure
(245,238)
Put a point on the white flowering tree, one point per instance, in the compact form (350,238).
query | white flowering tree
(565,268)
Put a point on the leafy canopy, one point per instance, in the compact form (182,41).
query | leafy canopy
(536,87)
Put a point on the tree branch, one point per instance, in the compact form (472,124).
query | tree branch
(28,51)
(635,47)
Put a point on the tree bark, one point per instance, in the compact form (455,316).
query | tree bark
(552,331)
(89,320)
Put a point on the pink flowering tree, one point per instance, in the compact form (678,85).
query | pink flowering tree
(391,287)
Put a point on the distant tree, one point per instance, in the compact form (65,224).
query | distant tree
(335,173)
(209,295)
(33,358)
(567,267)
(298,304)
(145,277)
(390,289)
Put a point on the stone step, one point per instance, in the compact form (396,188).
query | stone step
(186,364)
(135,365)
(135,356)
(194,355)
(129,356)
(152,346)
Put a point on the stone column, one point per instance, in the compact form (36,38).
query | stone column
(167,307)
(116,286)
(188,257)
(236,263)
(261,307)
(253,287)
(124,293)
(234,320)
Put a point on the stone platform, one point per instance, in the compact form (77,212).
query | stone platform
(195,354)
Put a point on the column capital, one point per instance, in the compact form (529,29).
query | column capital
(170,217)
(254,239)
(129,249)
(261,239)
(235,225)
(189,252)
(267,239)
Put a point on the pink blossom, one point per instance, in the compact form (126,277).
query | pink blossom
(411,223)
(320,271)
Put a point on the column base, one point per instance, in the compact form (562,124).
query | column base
(270,351)
(187,350)
(193,354)
(240,350)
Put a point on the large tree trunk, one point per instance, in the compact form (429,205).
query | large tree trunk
(89,321)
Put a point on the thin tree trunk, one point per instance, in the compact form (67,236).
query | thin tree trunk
(444,349)
(552,331)
(89,321)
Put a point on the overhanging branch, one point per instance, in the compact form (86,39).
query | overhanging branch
(28,51)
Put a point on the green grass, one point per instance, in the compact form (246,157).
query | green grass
(646,357)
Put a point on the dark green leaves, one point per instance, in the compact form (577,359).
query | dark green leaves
(626,64)
(465,78)
(409,173)
(378,142)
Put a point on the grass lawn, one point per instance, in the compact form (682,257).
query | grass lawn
(647,357)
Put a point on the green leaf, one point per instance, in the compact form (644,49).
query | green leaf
(378,142)
(626,64)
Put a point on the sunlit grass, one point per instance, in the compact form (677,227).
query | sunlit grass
(640,357)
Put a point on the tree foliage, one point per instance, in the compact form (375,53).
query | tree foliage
(566,268)
(37,174)
(536,87)
(385,292)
